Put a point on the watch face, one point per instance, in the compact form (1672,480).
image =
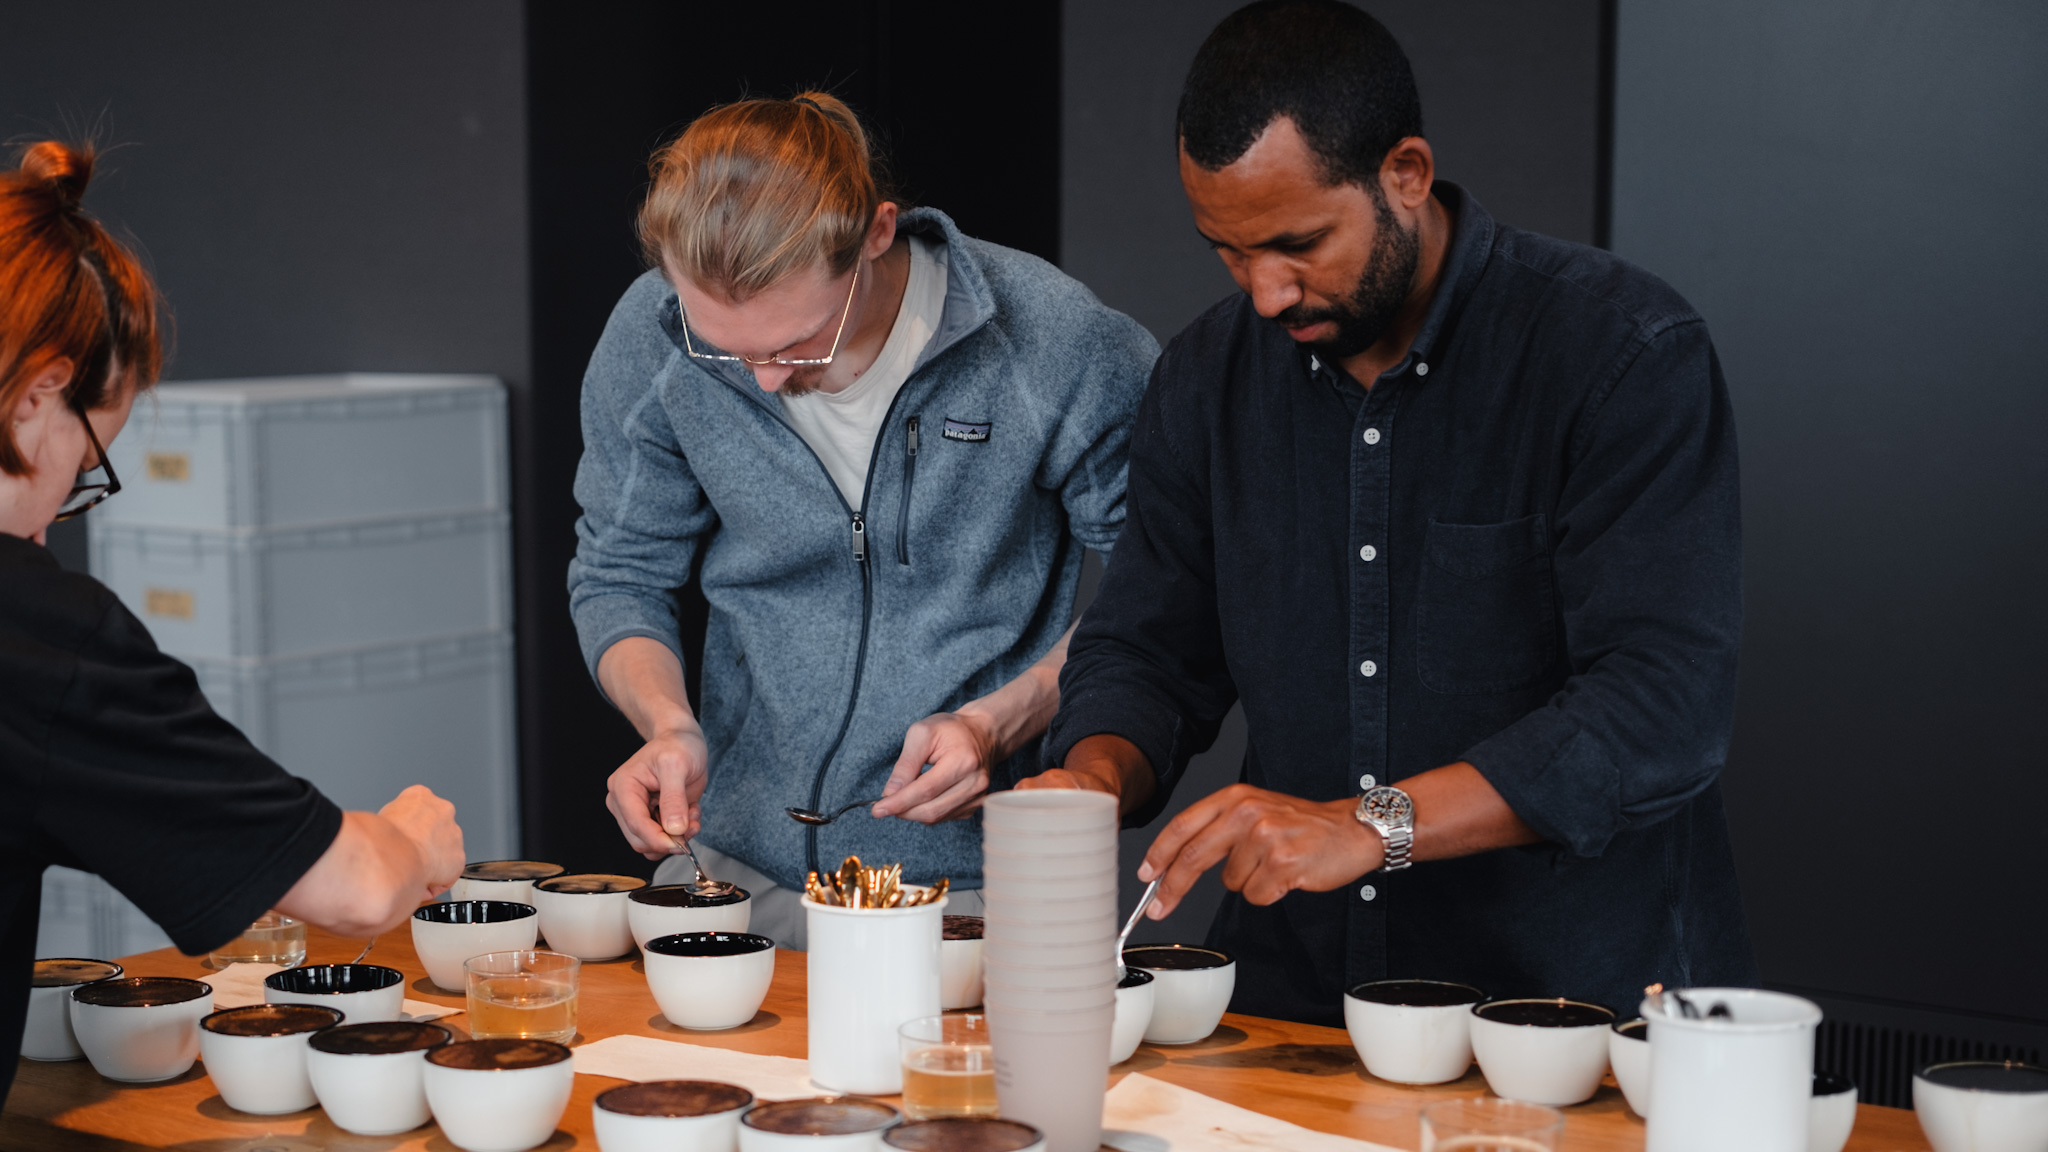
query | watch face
(1388,806)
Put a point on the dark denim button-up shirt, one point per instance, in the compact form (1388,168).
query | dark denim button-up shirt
(1519,548)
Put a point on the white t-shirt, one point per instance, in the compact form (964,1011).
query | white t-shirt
(841,426)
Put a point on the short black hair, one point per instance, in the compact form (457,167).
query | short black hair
(1329,67)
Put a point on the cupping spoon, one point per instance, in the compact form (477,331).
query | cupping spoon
(703,885)
(1144,902)
(813,816)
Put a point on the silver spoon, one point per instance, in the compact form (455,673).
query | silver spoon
(365,951)
(704,885)
(813,816)
(1144,902)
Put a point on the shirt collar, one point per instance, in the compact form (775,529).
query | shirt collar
(1464,260)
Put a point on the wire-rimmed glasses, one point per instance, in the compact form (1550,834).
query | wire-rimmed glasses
(775,360)
(87,492)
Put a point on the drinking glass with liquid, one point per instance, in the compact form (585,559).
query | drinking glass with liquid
(949,1069)
(274,938)
(1491,1124)
(524,995)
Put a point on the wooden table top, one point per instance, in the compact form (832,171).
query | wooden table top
(1300,1073)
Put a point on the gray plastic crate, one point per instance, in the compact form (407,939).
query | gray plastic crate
(294,591)
(363,725)
(290,451)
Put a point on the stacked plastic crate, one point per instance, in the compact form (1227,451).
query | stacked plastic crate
(332,556)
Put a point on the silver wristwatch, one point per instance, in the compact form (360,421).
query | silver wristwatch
(1389,812)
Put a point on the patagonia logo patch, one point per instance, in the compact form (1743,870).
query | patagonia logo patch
(965,431)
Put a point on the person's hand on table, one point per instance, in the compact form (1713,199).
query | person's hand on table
(429,822)
(654,796)
(1270,844)
(944,768)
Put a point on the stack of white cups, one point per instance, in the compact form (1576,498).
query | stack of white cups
(1049,879)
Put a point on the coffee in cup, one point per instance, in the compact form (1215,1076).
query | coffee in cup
(362,993)
(1543,1051)
(1628,1052)
(671,909)
(371,1078)
(1412,1031)
(709,980)
(256,1055)
(47,1033)
(670,1116)
(1831,1114)
(960,969)
(1193,989)
(140,1029)
(1135,999)
(1982,1105)
(499,1095)
(502,880)
(965,1134)
(584,915)
(448,933)
(816,1124)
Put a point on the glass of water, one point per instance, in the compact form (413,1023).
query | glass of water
(274,938)
(1490,1124)
(526,995)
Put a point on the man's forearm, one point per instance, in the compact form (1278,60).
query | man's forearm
(644,681)
(1458,813)
(1018,712)
(1104,763)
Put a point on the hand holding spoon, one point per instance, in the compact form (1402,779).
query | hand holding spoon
(813,816)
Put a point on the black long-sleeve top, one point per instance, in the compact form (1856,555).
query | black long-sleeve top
(1520,548)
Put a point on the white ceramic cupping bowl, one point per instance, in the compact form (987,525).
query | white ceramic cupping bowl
(1831,1114)
(1541,1063)
(371,1078)
(499,1095)
(140,1029)
(46,1034)
(502,880)
(446,934)
(1187,1003)
(1135,999)
(670,1116)
(960,964)
(671,909)
(585,915)
(709,980)
(1412,1031)
(1628,1053)
(256,1055)
(362,993)
(817,1124)
(1997,1107)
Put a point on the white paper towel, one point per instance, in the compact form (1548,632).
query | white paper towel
(1146,1115)
(641,1058)
(240,984)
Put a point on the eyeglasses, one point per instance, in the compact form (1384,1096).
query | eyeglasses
(777,360)
(87,492)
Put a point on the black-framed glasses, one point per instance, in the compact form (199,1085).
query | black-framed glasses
(777,360)
(86,491)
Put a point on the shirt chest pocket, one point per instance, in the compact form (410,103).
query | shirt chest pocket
(1485,616)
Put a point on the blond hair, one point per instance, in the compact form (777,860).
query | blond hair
(756,190)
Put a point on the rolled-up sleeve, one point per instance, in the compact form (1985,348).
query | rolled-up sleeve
(644,513)
(1647,565)
(1147,661)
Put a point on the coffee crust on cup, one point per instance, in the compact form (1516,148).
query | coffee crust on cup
(675,1098)
(502,1055)
(270,1020)
(1175,957)
(963,928)
(511,870)
(1546,1013)
(66,971)
(142,991)
(821,1116)
(381,1038)
(963,1134)
(590,884)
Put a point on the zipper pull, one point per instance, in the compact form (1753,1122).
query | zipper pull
(913,435)
(860,539)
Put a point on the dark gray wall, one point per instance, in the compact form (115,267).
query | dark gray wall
(1851,195)
(1511,102)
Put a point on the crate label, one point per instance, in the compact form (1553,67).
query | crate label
(172,466)
(172,602)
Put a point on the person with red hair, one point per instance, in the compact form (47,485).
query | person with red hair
(111,760)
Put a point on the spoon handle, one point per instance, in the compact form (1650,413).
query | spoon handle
(844,809)
(1144,902)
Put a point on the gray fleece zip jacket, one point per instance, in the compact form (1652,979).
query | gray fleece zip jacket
(833,628)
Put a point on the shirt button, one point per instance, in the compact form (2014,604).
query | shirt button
(1421,369)
(1366,781)
(1368,669)
(1372,435)
(1368,893)
(1367,553)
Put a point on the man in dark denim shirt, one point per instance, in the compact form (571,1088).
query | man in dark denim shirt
(1444,504)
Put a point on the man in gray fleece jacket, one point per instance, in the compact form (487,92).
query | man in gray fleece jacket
(881,447)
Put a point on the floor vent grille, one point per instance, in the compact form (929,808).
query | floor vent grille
(1881,1061)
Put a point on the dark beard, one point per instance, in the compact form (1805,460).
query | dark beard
(1382,288)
